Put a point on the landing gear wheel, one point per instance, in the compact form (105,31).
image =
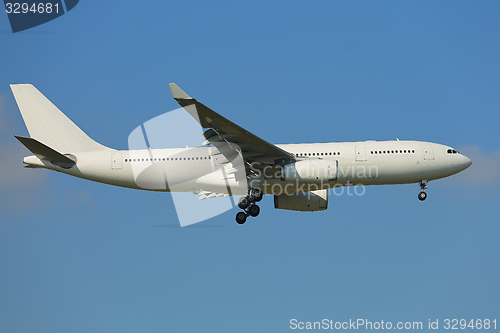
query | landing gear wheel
(256,194)
(422,196)
(247,203)
(253,210)
(243,202)
(241,218)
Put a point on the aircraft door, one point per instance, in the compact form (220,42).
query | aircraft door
(116,161)
(215,158)
(361,153)
(217,155)
(428,152)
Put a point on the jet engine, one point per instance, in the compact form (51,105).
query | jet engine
(302,201)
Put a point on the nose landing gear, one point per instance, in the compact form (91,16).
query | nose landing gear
(422,195)
(248,204)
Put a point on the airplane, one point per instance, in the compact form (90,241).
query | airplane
(231,160)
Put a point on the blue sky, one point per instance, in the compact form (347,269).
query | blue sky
(78,256)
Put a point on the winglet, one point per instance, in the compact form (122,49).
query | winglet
(177,92)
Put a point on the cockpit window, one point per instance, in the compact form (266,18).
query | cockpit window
(452,151)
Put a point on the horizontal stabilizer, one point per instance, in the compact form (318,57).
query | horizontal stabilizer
(44,152)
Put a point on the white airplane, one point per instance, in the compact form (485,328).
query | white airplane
(231,161)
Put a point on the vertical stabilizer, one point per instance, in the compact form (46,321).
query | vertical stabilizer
(47,124)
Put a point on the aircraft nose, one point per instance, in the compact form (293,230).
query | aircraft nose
(465,163)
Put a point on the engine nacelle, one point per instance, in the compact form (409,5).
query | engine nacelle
(311,170)
(302,201)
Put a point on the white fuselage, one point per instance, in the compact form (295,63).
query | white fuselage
(196,169)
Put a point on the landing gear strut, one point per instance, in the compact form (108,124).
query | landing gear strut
(422,195)
(248,204)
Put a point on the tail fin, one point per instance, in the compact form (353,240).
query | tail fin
(47,124)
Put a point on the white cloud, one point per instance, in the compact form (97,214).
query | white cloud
(82,198)
(20,188)
(484,171)
(23,189)
(3,118)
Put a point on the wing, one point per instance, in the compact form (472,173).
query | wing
(220,129)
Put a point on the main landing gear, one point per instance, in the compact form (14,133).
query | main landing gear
(422,195)
(248,204)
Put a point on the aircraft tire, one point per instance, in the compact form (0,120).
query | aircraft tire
(253,210)
(243,202)
(422,196)
(257,194)
(241,218)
